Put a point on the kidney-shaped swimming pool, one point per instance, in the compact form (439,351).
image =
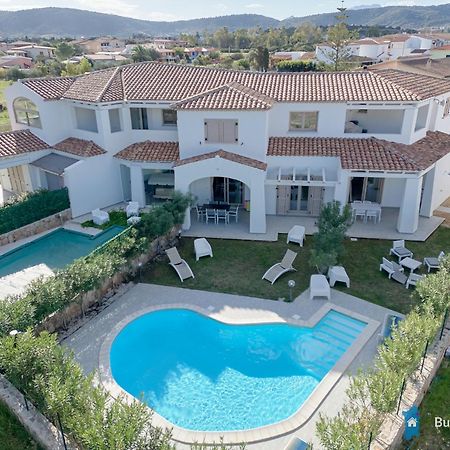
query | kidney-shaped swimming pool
(205,375)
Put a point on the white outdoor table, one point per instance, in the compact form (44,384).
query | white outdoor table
(410,263)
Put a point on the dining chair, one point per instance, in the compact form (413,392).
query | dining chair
(211,215)
(222,214)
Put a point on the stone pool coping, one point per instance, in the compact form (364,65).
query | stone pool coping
(296,420)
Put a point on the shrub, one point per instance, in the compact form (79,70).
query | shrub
(297,66)
(51,378)
(30,207)
(329,240)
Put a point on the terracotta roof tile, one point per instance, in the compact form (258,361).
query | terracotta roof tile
(174,82)
(224,155)
(367,154)
(79,147)
(49,88)
(355,154)
(14,143)
(422,86)
(150,151)
(230,96)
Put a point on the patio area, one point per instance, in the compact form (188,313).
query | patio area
(385,229)
(88,341)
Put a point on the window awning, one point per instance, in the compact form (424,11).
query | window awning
(53,163)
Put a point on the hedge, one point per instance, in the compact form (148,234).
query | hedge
(31,207)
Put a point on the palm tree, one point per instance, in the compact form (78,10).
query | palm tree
(140,54)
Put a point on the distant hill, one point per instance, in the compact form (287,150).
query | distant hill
(68,22)
(415,17)
(75,23)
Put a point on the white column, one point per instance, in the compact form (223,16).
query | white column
(137,185)
(409,125)
(426,208)
(341,189)
(408,217)
(258,206)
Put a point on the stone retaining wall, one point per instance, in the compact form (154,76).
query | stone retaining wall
(47,223)
(36,424)
(393,427)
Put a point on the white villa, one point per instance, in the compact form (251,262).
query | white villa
(278,143)
(380,49)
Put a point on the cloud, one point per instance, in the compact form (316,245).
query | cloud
(120,7)
(254,6)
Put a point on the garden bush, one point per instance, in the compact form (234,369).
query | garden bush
(31,207)
(329,240)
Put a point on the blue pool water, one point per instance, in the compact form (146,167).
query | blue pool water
(55,249)
(204,375)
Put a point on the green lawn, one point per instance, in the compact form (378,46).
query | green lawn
(435,404)
(237,268)
(4,118)
(12,435)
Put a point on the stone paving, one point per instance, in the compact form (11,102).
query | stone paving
(87,341)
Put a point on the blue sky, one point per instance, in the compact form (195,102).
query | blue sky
(188,9)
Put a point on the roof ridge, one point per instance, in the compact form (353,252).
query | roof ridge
(108,84)
(250,92)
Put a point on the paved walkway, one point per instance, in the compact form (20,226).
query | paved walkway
(88,340)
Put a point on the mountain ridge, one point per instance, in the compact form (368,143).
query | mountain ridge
(70,22)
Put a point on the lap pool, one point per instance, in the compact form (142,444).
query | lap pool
(205,375)
(56,249)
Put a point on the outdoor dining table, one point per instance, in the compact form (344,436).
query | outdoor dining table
(366,207)
(222,206)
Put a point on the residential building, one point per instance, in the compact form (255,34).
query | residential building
(379,49)
(440,52)
(21,62)
(100,44)
(422,65)
(279,143)
(33,51)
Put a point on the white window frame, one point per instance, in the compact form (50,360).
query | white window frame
(169,124)
(302,116)
(29,109)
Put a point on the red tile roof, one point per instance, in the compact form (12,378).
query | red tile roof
(150,151)
(230,96)
(49,88)
(174,82)
(224,155)
(367,154)
(79,147)
(13,143)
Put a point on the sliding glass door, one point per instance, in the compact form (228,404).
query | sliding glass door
(227,190)
(366,189)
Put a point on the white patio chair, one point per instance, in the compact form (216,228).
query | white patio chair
(359,213)
(222,214)
(200,213)
(202,248)
(233,212)
(390,322)
(433,263)
(211,215)
(100,217)
(390,267)
(180,265)
(413,279)
(278,269)
(372,214)
(398,249)
(132,209)
(296,234)
(319,287)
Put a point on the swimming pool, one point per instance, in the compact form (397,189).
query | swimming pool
(56,249)
(205,375)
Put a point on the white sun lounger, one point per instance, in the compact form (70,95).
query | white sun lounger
(281,268)
(180,265)
(319,287)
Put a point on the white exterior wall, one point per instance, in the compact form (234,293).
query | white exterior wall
(392,192)
(252,133)
(93,183)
